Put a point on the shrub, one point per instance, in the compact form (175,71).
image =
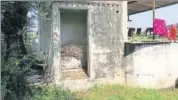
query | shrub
(51,93)
(15,87)
(13,78)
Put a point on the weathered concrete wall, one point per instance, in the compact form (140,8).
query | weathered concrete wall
(152,65)
(45,34)
(106,28)
(56,70)
(106,40)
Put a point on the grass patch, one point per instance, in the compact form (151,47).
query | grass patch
(148,38)
(117,92)
(51,93)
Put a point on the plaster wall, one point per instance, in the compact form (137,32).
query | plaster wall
(152,65)
(106,28)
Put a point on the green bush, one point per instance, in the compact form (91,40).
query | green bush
(15,87)
(13,81)
(51,93)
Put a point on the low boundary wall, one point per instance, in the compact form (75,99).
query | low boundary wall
(151,65)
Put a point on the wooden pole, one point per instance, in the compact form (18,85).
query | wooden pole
(153,17)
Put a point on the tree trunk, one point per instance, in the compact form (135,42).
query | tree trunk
(22,45)
(7,39)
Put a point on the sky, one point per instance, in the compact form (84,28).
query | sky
(145,19)
(29,14)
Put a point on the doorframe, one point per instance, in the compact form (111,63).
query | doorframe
(88,34)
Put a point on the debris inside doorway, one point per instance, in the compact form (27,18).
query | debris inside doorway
(71,56)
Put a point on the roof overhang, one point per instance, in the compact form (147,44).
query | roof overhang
(135,7)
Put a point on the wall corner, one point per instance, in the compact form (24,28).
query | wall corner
(124,20)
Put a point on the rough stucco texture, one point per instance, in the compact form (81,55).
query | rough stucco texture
(105,37)
(152,65)
(106,41)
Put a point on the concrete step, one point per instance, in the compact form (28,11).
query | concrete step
(74,74)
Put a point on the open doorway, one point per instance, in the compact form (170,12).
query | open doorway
(74,43)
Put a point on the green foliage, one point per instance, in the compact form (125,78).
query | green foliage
(14,84)
(118,92)
(14,16)
(13,77)
(148,38)
(51,93)
(16,64)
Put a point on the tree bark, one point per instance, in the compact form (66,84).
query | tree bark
(7,39)
(22,45)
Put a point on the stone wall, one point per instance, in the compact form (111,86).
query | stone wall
(152,65)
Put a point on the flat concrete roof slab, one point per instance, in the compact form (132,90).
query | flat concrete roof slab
(135,7)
